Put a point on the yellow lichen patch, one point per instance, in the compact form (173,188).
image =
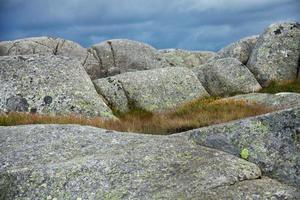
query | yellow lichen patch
(245,154)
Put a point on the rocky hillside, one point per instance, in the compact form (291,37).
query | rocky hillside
(253,158)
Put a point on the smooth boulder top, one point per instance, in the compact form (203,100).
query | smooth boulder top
(271,141)
(121,55)
(240,50)
(184,58)
(48,84)
(151,90)
(51,46)
(276,54)
(226,76)
(281,100)
(72,162)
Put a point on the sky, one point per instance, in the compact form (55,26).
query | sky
(185,24)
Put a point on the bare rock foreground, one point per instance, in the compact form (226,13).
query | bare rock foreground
(69,162)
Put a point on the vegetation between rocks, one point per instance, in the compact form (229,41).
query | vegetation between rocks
(285,86)
(195,114)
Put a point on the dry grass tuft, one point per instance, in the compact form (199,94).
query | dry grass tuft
(198,113)
(284,86)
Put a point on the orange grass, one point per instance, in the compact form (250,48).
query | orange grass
(283,86)
(198,113)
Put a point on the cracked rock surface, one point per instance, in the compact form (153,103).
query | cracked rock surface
(121,55)
(184,58)
(276,53)
(43,46)
(240,50)
(225,77)
(70,161)
(48,84)
(272,140)
(151,90)
(50,46)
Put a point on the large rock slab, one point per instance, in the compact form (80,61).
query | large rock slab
(227,76)
(276,54)
(281,100)
(240,50)
(184,58)
(52,46)
(80,162)
(121,55)
(152,90)
(271,141)
(48,84)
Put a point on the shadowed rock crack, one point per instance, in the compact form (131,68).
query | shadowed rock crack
(87,55)
(233,183)
(56,49)
(112,52)
(14,44)
(131,104)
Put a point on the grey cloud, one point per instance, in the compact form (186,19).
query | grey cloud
(189,24)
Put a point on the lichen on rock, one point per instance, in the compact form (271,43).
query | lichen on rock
(276,54)
(151,90)
(49,85)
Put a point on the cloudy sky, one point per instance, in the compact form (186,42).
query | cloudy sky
(187,24)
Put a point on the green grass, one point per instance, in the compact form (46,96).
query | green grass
(287,86)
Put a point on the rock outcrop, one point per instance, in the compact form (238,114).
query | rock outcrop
(151,90)
(48,84)
(271,141)
(226,76)
(51,46)
(120,55)
(240,50)
(83,162)
(184,58)
(276,54)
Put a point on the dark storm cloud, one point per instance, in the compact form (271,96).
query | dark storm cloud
(189,24)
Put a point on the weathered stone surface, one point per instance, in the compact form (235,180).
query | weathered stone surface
(48,84)
(43,46)
(226,76)
(71,162)
(276,54)
(51,46)
(112,90)
(120,55)
(272,141)
(254,189)
(281,100)
(240,50)
(152,90)
(184,58)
